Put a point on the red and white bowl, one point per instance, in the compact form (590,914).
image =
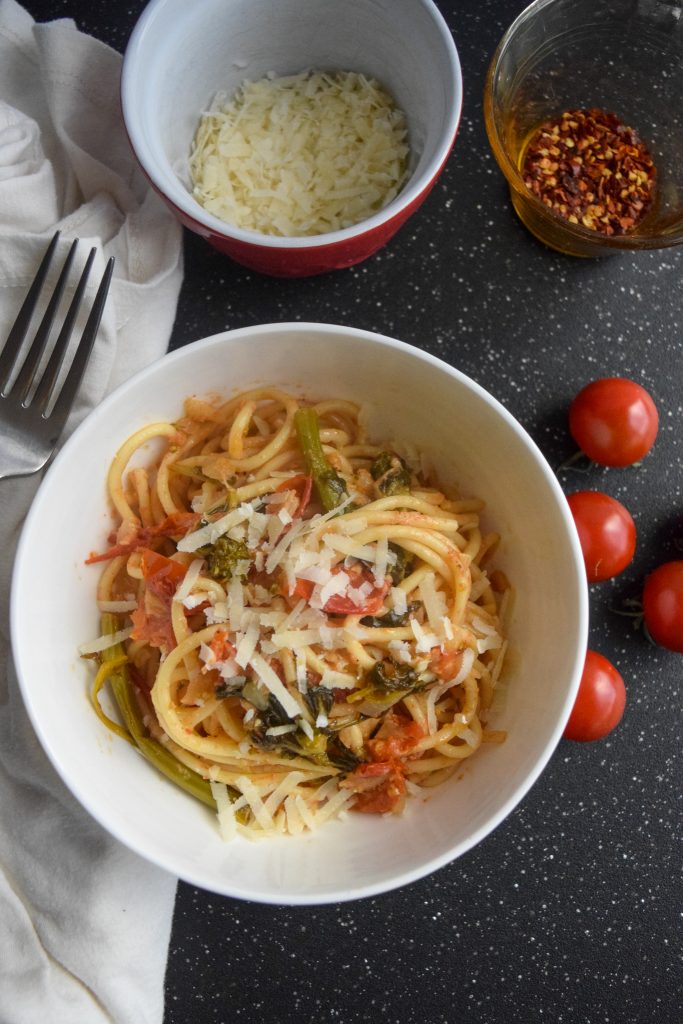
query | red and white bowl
(180,55)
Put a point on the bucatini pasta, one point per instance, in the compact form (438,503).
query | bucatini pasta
(296,623)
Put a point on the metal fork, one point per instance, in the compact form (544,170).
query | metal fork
(32,411)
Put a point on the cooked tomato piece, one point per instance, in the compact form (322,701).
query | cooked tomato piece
(177,524)
(301,485)
(152,624)
(221,646)
(445,664)
(397,736)
(113,552)
(162,575)
(338,604)
(302,589)
(379,788)
(152,619)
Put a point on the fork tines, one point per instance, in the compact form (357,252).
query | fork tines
(20,388)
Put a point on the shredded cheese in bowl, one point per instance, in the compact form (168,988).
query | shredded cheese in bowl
(300,155)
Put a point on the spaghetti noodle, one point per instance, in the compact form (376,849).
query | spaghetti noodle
(308,624)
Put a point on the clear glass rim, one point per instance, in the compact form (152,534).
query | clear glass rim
(514,179)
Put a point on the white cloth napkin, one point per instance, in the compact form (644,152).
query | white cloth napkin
(84,923)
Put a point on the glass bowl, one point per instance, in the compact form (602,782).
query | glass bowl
(622,56)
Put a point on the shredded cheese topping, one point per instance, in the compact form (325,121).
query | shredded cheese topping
(300,155)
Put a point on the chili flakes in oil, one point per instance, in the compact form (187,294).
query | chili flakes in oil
(592,170)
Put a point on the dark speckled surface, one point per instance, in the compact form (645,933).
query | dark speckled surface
(570,912)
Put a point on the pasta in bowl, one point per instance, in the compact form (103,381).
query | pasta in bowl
(456,440)
(308,621)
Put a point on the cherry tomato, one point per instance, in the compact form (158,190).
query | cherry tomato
(663,605)
(606,532)
(600,701)
(614,421)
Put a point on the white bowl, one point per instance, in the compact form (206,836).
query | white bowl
(473,442)
(181,54)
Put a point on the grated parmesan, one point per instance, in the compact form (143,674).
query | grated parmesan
(247,644)
(334,806)
(236,603)
(305,812)
(103,642)
(272,682)
(434,603)
(210,533)
(227,824)
(300,155)
(187,583)
(425,640)
(332,680)
(301,675)
(117,606)
(295,823)
(263,817)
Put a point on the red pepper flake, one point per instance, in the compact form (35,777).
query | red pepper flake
(592,170)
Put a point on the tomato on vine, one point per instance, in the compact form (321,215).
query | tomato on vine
(614,421)
(663,605)
(600,702)
(607,533)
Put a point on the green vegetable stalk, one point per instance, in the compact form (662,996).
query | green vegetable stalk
(156,754)
(330,486)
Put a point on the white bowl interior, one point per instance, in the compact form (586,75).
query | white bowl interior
(181,54)
(475,444)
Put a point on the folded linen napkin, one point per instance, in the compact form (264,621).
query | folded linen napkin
(84,923)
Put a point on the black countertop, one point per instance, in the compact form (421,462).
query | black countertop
(569,913)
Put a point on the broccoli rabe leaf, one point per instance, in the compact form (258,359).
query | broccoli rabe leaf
(224,558)
(391,474)
(229,686)
(402,566)
(391,618)
(341,757)
(388,675)
(319,701)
